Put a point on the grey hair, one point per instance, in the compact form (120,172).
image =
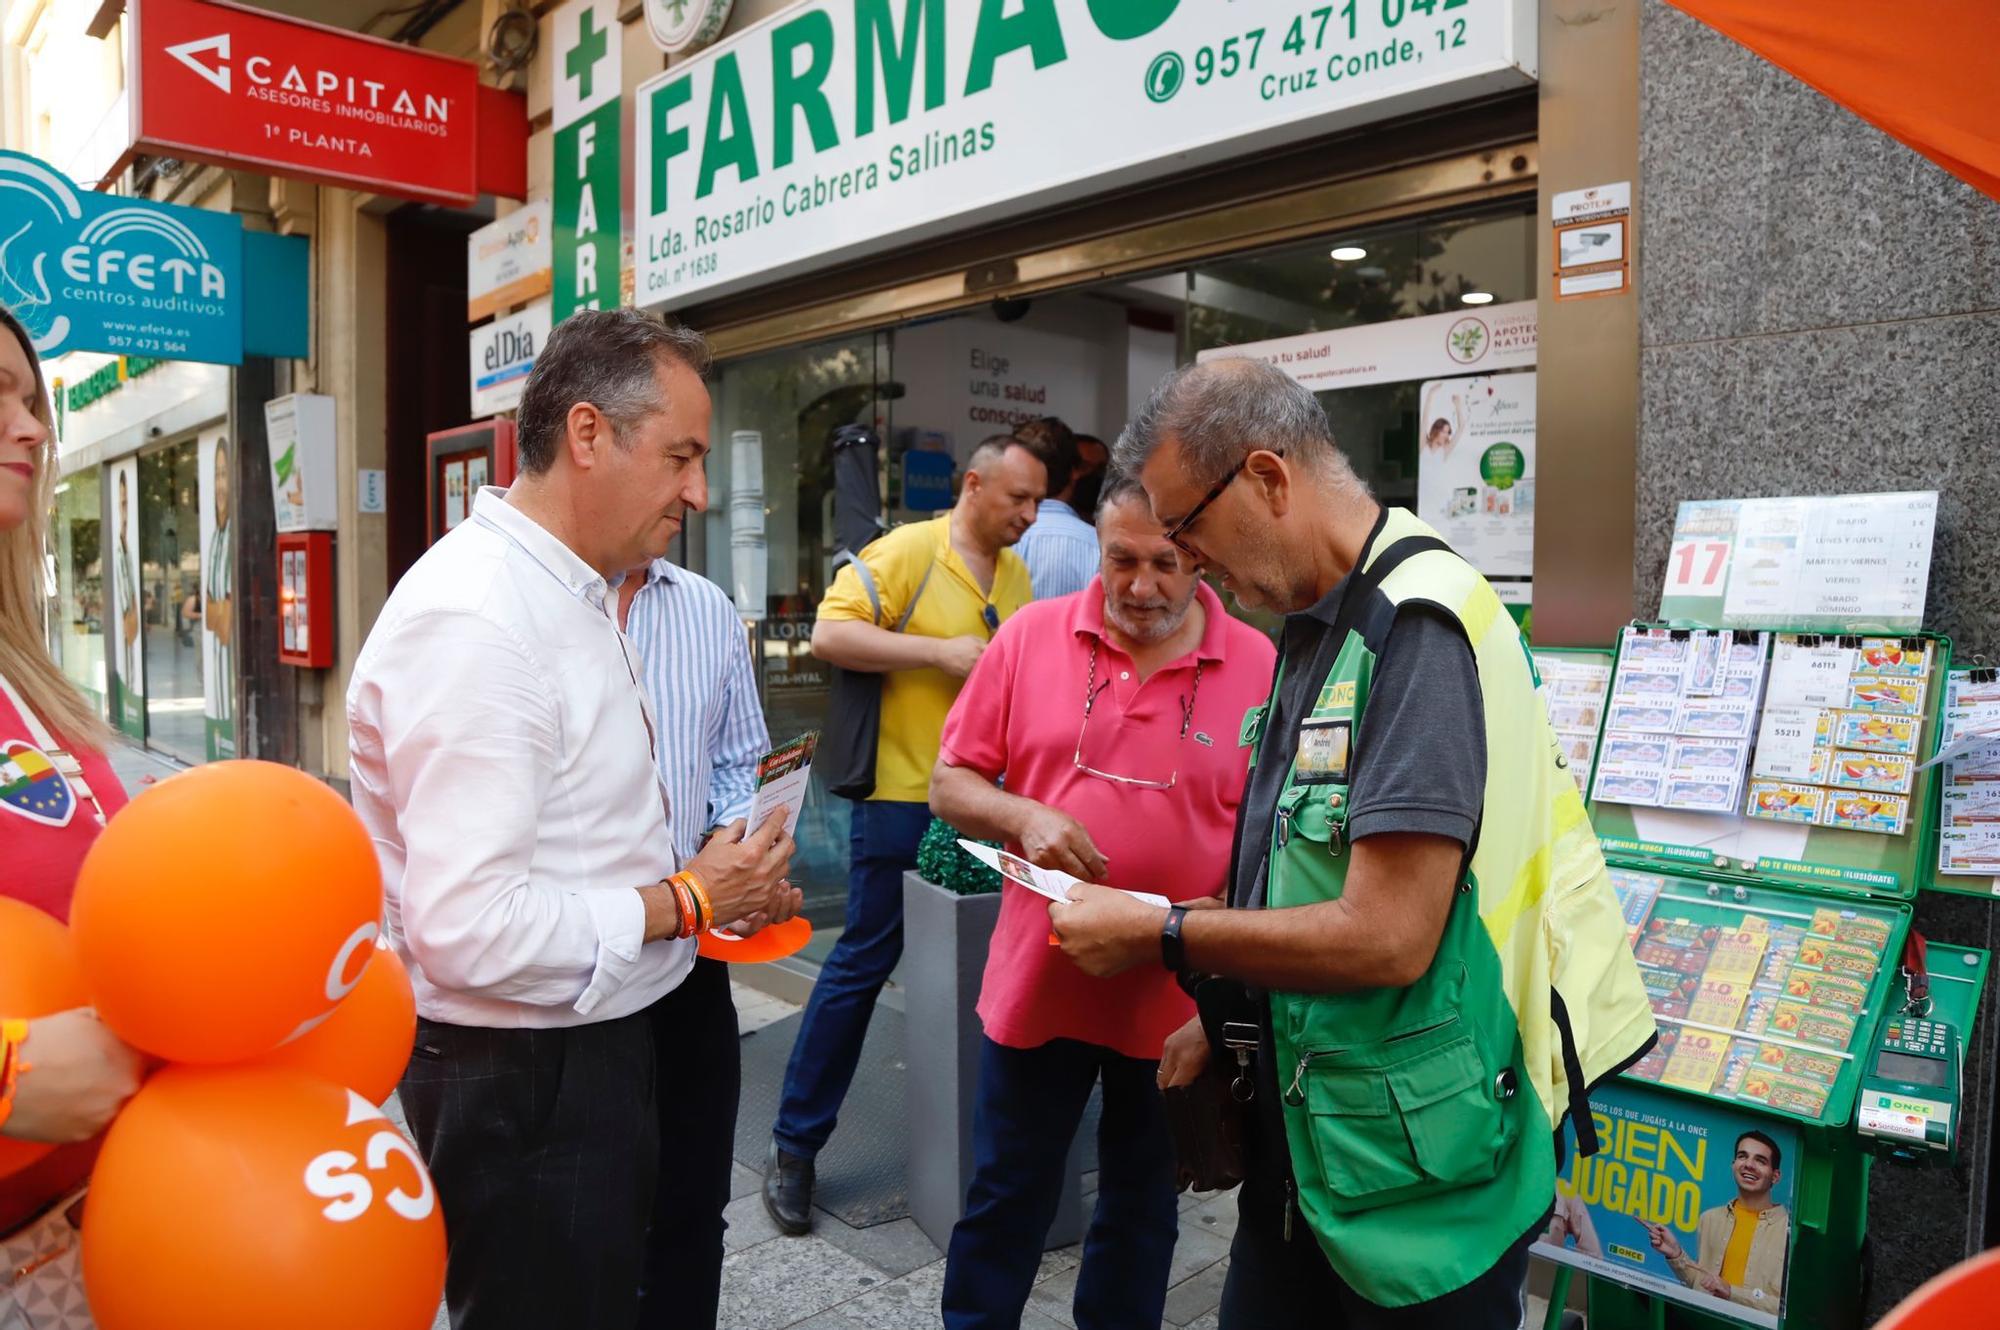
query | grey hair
(1218,411)
(609,358)
(1121,485)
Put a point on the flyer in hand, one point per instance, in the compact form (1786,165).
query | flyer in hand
(782,777)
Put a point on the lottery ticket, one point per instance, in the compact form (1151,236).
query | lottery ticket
(1879,693)
(1718,1002)
(1696,1060)
(1793,743)
(1789,1094)
(1647,685)
(1889,773)
(1698,755)
(1804,674)
(1721,718)
(1783,802)
(1645,752)
(1704,664)
(1738,953)
(1875,733)
(1892,655)
(1818,988)
(1575,714)
(1883,814)
(1654,647)
(1615,788)
(1829,1027)
(1636,893)
(1649,1067)
(1835,957)
(1712,794)
(1862,931)
(1642,717)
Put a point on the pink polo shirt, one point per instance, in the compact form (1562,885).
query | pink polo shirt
(1018,717)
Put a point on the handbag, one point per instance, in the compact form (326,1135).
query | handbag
(854,702)
(41,1272)
(1206,1117)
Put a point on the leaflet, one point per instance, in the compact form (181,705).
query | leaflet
(783,776)
(1050,882)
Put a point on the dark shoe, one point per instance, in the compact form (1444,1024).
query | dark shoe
(788,1191)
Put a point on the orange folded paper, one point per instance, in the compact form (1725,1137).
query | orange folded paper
(771,943)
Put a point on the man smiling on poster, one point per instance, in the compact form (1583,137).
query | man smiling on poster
(1741,1246)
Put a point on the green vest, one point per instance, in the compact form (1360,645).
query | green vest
(1422,1121)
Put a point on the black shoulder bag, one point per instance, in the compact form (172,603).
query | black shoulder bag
(854,703)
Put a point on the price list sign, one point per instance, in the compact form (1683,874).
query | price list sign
(1838,563)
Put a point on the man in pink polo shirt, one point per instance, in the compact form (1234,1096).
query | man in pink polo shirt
(1112,716)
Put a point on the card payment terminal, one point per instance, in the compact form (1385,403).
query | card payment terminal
(1909,1089)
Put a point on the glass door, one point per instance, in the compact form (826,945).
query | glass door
(170,600)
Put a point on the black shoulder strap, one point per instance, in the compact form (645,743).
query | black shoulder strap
(1367,581)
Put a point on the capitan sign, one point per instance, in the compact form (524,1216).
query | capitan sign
(837,128)
(97,272)
(240,87)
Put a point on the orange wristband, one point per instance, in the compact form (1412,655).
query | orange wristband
(694,885)
(13,1035)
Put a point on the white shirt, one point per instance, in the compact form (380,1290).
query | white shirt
(500,757)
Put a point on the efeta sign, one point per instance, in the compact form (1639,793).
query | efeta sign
(836,128)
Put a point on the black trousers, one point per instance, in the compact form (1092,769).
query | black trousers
(545,1146)
(1274,1284)
(695,1043)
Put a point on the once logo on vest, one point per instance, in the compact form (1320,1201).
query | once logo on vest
(31,786)
(1339,694)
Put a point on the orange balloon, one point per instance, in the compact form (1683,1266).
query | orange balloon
(240,1198)
(225,909)
(39,975)
(366,1042)
(773,942)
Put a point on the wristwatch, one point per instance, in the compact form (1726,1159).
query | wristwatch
(1173,954)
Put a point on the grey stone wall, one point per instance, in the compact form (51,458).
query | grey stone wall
(1820,313)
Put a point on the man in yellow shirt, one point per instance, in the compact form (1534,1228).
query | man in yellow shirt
(942,588)
(1740,1247)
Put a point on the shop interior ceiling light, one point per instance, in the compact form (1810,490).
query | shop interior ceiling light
(1349,253)
(1477,297)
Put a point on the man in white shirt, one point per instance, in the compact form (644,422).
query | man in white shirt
(502,758)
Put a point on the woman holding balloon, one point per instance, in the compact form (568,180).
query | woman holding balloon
(63,1076)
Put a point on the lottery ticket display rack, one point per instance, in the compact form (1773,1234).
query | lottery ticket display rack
(1773,948)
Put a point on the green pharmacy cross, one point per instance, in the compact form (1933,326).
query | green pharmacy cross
(589,49)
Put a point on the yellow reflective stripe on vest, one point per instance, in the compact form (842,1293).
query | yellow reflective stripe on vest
(1534,835)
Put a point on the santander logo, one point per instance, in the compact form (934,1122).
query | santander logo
(327,91)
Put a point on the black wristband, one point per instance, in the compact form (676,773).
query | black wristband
(1173,954)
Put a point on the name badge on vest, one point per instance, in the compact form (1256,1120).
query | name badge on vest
(1322,757)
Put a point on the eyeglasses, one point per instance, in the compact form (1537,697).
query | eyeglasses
(1194,513)
(1091,689)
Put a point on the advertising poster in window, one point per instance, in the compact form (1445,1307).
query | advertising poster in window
(218,595)
(127,605)
(1476,473)
(1685,1199)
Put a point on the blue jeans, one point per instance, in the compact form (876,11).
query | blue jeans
(884,840)
(1030,1102)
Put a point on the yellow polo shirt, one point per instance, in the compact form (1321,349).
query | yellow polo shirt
(914,702)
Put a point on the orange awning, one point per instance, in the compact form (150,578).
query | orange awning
(1925,73)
